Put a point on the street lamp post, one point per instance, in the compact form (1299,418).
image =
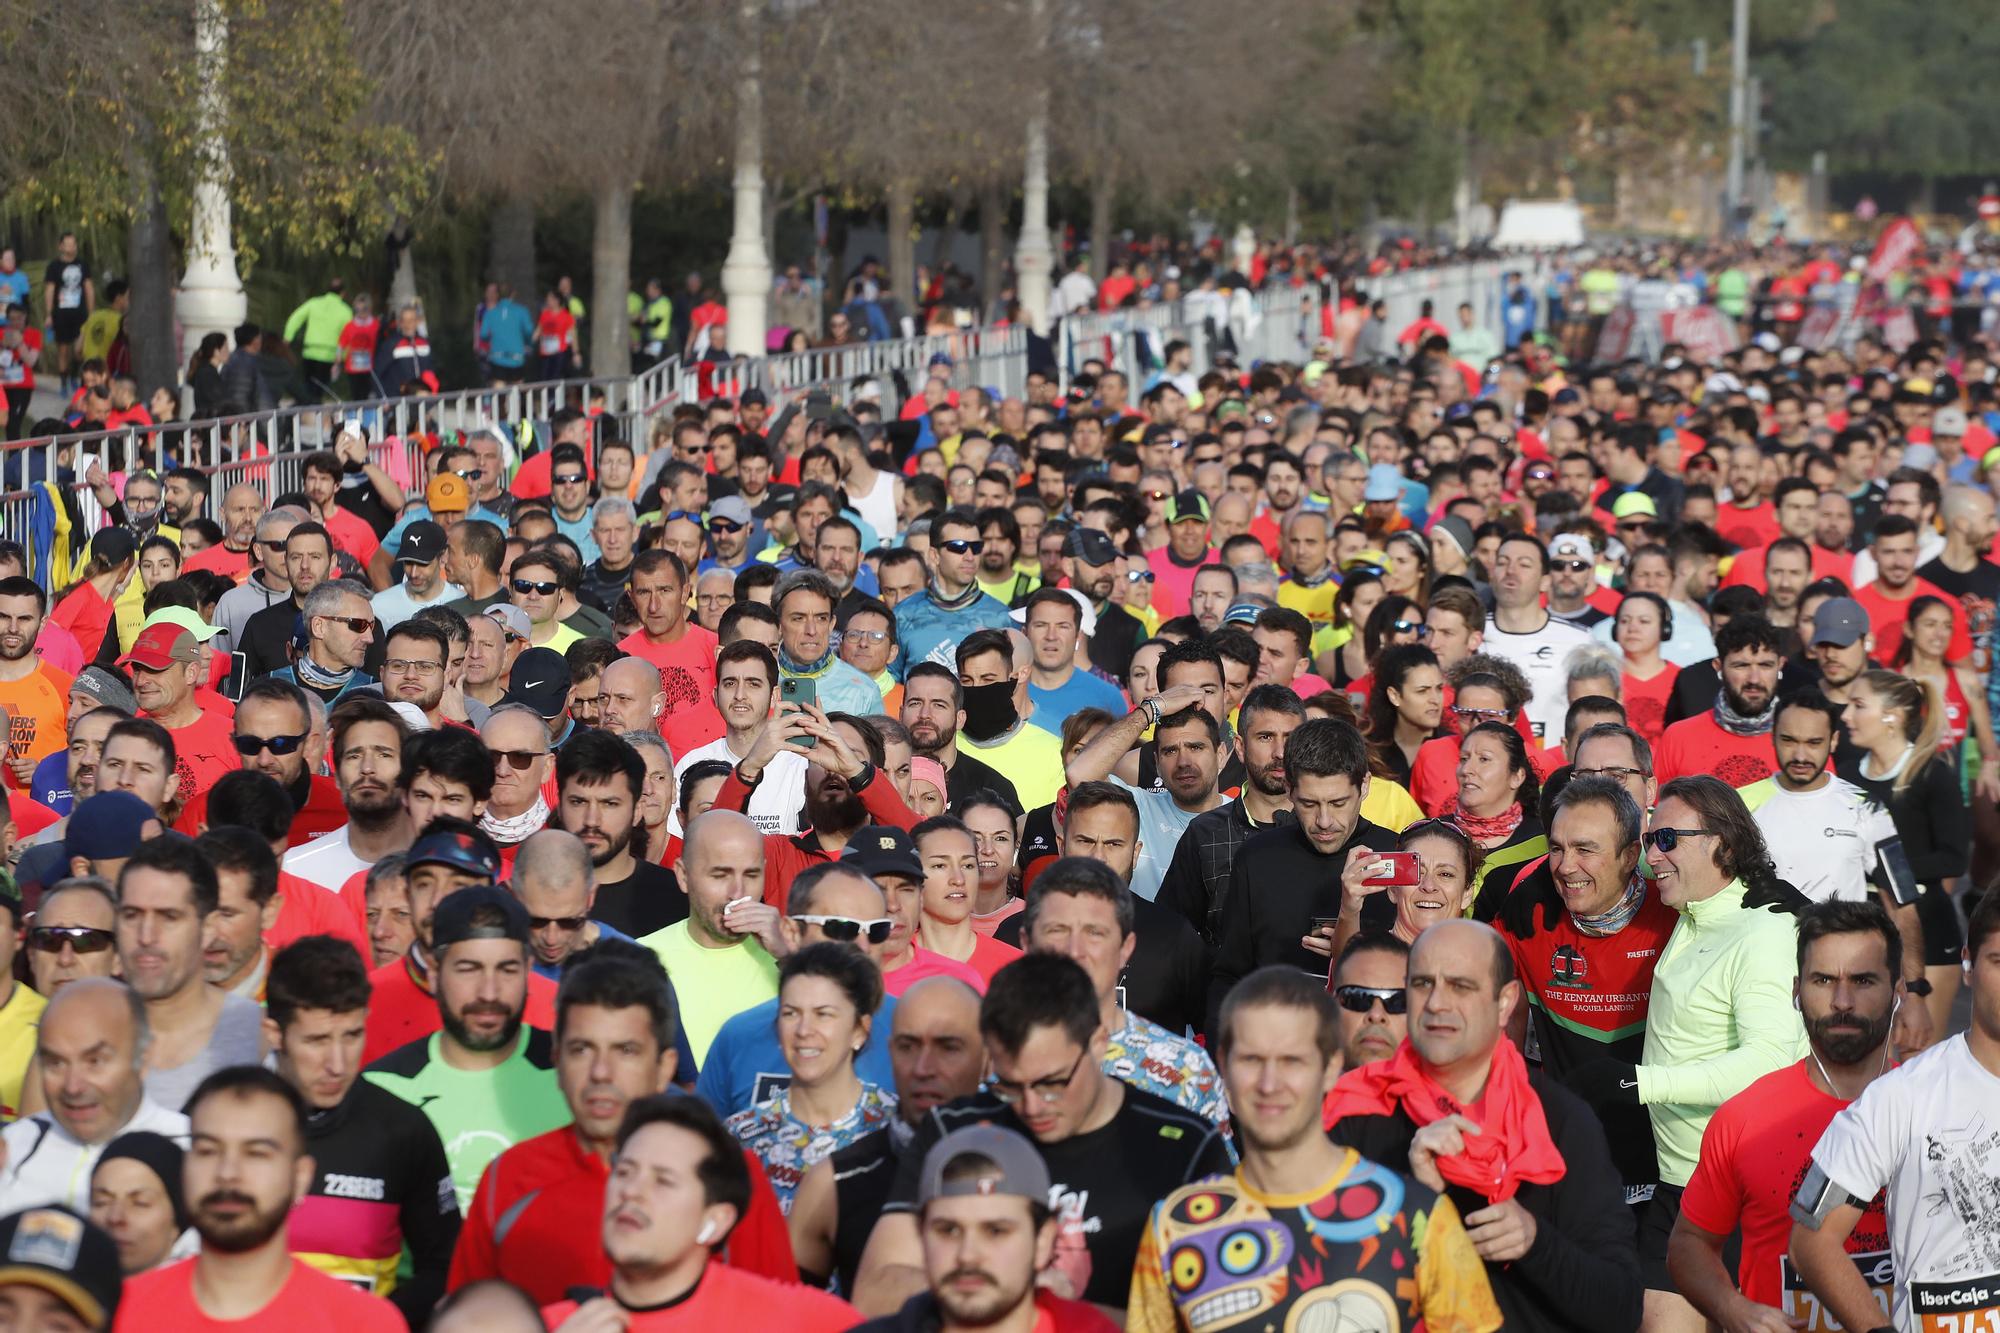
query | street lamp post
(746,273)
(1034,258)
(211,298)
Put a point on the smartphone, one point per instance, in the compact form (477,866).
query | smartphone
(799,690)
(1320,923)
(1403,871)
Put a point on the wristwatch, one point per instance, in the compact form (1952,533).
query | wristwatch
(1919,987)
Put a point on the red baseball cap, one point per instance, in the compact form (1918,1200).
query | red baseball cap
(161,646)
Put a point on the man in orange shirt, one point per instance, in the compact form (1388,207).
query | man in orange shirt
(33,695)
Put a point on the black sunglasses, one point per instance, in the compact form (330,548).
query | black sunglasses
(250,746)
(845,929)
(1416,627)
(723,525)
(1360,999)
(83,939)
(1666,839)
(358,624)
(564,922)
(470,473)
(1570,566)
(522,760)
(536,586)
(569,479)
(960,546)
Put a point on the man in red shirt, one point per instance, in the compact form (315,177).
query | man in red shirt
(1758,1144)
(235,555)
(534,1218)
(254,801)
(1732,740)
(684,652)
(1796,513)
(248,1166)
(271,733)
(165,662)
(1887,599)
(1749,519)
(678,1188)
(350,532)
(449,855)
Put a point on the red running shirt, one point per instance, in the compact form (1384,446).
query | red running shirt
(309,1302)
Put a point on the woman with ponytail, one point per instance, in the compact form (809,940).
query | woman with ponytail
(1926,639)
(1893,725)
(84,608)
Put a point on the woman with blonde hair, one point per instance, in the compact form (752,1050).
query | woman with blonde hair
(1894,722)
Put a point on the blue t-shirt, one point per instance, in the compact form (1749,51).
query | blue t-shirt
(1081,690)
(13,289)
(746,1064)
(50,784)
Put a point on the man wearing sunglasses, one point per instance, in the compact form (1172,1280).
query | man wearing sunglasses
(1112,1150)
(556,886)
(730,529)
(1574,592)
(931,624)
(73,935)
(339,627)
(830,901)
(1368,986)
(20,1011)
(570,485)
(536,586)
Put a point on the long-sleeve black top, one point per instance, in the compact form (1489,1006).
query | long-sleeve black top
(1930,816)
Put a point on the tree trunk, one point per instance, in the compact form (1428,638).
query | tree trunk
(611,278)
(1103,189)
(992,246)
(514,248)
(902,255)
(149,323)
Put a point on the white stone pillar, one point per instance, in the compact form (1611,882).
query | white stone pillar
(1034,258)
(211,298)
(746,273)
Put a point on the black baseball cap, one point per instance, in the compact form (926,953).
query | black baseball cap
(422,543)
(541,680)
(67,1256)
(1090,546)
(882,849)
(460,851)
(452,922)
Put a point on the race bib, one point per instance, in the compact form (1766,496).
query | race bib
(12,372)
(551,346)
(1877,1270)
(1972,1306)
(360,361)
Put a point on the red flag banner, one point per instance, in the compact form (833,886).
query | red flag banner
(1899,243)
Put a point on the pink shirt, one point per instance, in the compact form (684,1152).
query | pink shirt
(59,648)
(1173,582)
(923,963)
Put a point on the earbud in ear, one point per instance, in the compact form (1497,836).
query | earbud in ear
(707,1230)
(1796,1004)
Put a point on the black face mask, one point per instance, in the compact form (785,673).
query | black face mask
(989,710)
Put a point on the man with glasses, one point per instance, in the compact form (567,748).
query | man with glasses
(518,740)
(339,627)
(931,624)
(569,493)
(1374,1006)
(614,528)
(833,901)
(1111,1149)
(420,556)
(1522,1159)
(1573,581)
(73,936)
(730,530)
(536,586)
(269,734)
(868,644)
(1522,632)
(413,669)
(90,1053)
(1719,1014)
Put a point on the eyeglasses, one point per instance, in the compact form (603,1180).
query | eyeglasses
(522,760)
(570,479)
(1416,627)
(723,525)
(1538,476)
(1139,576)
(1480,714)
(1570,566)
(469,473)
(83,939)
(846,929)
(358,624)
(545,589)
(1156,495)
(866,635)
(251,746)
(1360,999)
(1666,839)
(1048,1091)
(963,546)
(560,922)
(410,666)
(1615,774)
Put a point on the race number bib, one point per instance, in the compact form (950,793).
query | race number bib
(360,361)
(1876,1269)
(1972,1306)
(551,346)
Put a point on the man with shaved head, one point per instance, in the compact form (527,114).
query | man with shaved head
(553,879)
(633,698)
(91,1056)
(1522,1157)
(725,955)
(235,555)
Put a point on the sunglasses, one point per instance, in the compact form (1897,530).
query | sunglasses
(961,546)
(560,922)
(521,760)
(83,939)
(1571,566)
(358,624)
(470,473)
(570,479)
(1538,476)
(674,515)
(251,746)
(1360,999)
(1416,627)
(1480,714)
(723,525)
(1139,576)
(536,586)
(845,929)
(1156,496)
(1666,839)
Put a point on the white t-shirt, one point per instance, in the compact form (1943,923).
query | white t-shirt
(1929,1132)
(774,806)
(1540,656)
(327,860)
(1825,842)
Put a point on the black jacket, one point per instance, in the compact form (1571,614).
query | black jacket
(1582,1271)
